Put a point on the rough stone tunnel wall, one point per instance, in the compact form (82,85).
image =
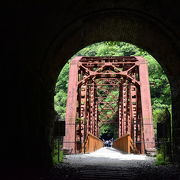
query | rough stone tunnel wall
(47,35)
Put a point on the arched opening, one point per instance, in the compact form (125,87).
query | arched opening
(137,29)
(160,88)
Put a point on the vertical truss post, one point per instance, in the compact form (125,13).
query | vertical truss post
(133,101)
(69,141)
(120,110)
(149,142)
(92,108)
(83,110)
(96,118)
(128,113)
(124,108)
(95,112)
(139,123)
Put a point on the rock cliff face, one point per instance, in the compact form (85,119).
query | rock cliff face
(47,35)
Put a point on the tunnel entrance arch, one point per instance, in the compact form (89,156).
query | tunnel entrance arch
(134,28)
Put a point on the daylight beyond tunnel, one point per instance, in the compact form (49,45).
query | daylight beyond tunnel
(107,109)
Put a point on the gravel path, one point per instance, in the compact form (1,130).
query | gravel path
(109,163)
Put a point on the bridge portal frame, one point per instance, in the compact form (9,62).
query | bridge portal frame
(134,102)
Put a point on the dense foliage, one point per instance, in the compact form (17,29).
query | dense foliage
(160,88)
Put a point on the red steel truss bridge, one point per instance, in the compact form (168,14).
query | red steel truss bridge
(101,88)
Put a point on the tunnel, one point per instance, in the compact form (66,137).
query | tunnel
(46,36)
